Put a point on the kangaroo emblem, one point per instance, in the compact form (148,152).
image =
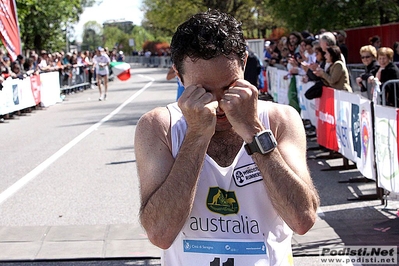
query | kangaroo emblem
(216,197)
(222,201)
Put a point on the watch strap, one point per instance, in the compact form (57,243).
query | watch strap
(251,148)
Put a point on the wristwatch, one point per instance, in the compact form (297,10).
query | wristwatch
(264,142)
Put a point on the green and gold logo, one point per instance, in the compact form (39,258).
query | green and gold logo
(222,201)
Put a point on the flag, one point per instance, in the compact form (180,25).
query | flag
(121,70)
(9,28)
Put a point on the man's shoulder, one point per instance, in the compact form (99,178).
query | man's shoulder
(277,110)
(155,117)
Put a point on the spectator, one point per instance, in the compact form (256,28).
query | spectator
(294,39)
(42,62)
(171,75)
(336,75)
(252,68)
(310,68)
(6,67)
(29,66)
(121,57)
(385,72)
(368,54)
(20,61)
(16,69)
(396,53)
(90,67)
(375,41)
(341,39)
(309,55)
(270,51)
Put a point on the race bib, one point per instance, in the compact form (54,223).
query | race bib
(225,252)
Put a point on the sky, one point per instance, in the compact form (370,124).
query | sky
(110,9)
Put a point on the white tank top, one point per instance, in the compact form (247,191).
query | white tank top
(232,222)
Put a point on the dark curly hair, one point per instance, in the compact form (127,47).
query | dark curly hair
(207,35)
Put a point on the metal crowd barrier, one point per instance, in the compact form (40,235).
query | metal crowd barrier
(395,84)
(151,61)
(74,79)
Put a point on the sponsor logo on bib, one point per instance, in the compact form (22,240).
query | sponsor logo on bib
(246,175)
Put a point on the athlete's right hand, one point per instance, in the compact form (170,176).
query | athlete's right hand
(199,110)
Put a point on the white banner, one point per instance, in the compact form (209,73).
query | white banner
(343,102)
(387,147)
(10,96)
(50,89)
(364,142)
(308,107)
(272,78)
(283,86)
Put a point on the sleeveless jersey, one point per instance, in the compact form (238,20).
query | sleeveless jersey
(233,222)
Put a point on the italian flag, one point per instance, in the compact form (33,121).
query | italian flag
(121,70)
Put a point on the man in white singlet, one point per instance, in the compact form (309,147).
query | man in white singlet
(223,177)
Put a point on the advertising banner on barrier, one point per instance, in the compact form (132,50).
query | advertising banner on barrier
(386,148)
(364,142)
(271,75)
(326,128)
(50,88)
(9,29)
(35,86)
(283,87)
(347,119)
(10,97)
(26,97)
(308,107)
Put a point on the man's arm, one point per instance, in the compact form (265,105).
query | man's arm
(167,185)
(284,170)
(286,174)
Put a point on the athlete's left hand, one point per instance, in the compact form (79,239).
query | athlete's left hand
(240,106)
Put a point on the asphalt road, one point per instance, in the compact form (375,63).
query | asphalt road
(73,163)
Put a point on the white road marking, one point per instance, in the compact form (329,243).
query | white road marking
(40,168)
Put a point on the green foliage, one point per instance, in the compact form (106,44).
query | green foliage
(92,36)
(43,23)
(314,15)
(162,17)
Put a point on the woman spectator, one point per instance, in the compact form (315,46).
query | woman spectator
(396,53)
(309,68)
(368,54)
(388,71)
(16,69)
(375,41)
(336,76)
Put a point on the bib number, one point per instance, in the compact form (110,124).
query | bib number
(225,252)
(228,262)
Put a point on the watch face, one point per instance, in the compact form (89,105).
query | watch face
(266,142)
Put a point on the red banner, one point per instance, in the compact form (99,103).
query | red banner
(9,29)
(35,86)
(326,127)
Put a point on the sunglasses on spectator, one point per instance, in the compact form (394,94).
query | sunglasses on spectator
(367,56)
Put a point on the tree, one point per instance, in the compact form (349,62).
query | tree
(92,36)
(43,23)
(162,17)
(313,15)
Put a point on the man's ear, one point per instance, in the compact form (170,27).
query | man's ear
(177,73)
(245,59)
